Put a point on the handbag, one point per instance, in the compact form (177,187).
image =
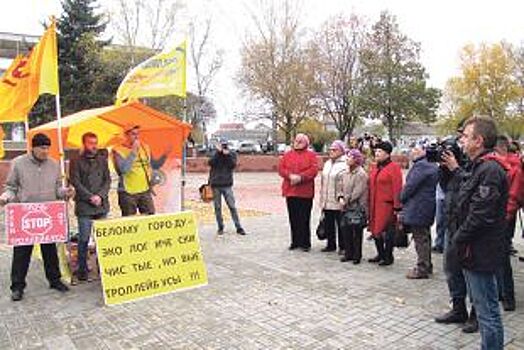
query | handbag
(206,193)
(401,239)
(354,217)
(321,228)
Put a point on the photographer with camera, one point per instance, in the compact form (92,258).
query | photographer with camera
(481,211)
(222,164)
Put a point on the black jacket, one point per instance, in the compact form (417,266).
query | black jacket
(90,176)
(481,209)
(222,166)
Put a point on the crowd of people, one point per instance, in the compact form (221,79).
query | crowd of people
(473,184)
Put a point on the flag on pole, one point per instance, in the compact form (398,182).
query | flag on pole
(28,77)
(161,75)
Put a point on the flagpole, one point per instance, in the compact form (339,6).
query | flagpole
(60,141)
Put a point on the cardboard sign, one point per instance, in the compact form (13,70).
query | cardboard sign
(144,256)
(34,223)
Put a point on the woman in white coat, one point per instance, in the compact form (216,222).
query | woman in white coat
(331,207)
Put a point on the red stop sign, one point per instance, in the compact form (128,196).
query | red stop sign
(37,222)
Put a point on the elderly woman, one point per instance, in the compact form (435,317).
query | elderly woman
(385,184)
(354,199)
(334,167)
(298,169)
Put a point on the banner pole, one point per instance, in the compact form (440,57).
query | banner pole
(60,141)
(184,163)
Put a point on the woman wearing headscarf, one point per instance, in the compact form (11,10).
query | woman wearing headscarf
(354,197)
(385,185)
(333,169)
(298,169)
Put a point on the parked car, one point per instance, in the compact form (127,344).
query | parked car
(249,147)
(282,148)
(233,145)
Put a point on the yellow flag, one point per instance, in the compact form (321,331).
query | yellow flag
(161,75)
(28,77)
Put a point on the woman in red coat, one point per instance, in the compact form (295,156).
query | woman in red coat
(385,185)
(298,169)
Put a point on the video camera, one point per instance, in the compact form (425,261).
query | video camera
(435,151)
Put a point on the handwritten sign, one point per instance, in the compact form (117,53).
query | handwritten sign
(144,256)
(34,223)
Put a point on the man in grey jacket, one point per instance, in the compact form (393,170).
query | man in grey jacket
(34,177)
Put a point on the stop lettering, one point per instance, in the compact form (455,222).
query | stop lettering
(36,222)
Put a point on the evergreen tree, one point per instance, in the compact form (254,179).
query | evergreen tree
(80,55)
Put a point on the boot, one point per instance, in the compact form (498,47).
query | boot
(379,245)
(471,325)
(388,253)
(458,314)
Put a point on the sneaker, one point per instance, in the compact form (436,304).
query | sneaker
(375,260)
(292,247)
(17,295)
(241,232)
(59,286)
(328,249)
(82,275)
(220,232)
(415,274)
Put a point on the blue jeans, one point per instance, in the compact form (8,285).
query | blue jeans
(85,224)
(483,290)
(441,225)
(229,197)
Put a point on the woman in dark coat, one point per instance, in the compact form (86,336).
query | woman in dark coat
(385,184)
(418,209)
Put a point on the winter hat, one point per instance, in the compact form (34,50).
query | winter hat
(302,138)
(356,155)
(386,146)
(40,140)
(338,145)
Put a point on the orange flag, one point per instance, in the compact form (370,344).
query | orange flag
(28,77)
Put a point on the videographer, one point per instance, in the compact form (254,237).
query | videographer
(222,164)
(452,165)
(479,240)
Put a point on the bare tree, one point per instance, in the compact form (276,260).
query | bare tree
(206,60)
(336,52)
(147,23)
(275,66)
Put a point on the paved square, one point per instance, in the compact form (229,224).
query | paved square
(260,296)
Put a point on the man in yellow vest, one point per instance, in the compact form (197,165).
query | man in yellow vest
(132,161)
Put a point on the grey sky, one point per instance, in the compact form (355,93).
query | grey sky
(442,27)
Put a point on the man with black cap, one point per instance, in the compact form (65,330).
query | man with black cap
(34,177)
(132,161)
(222,164)
(385,186)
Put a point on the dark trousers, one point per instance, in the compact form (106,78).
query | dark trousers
(352,241)
(440,217)
(505,283)
(22,258)
(455,279)
(131,203)
(332,226)
(385,243)
(299,212)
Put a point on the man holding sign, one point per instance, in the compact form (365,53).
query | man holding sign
(35,178)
